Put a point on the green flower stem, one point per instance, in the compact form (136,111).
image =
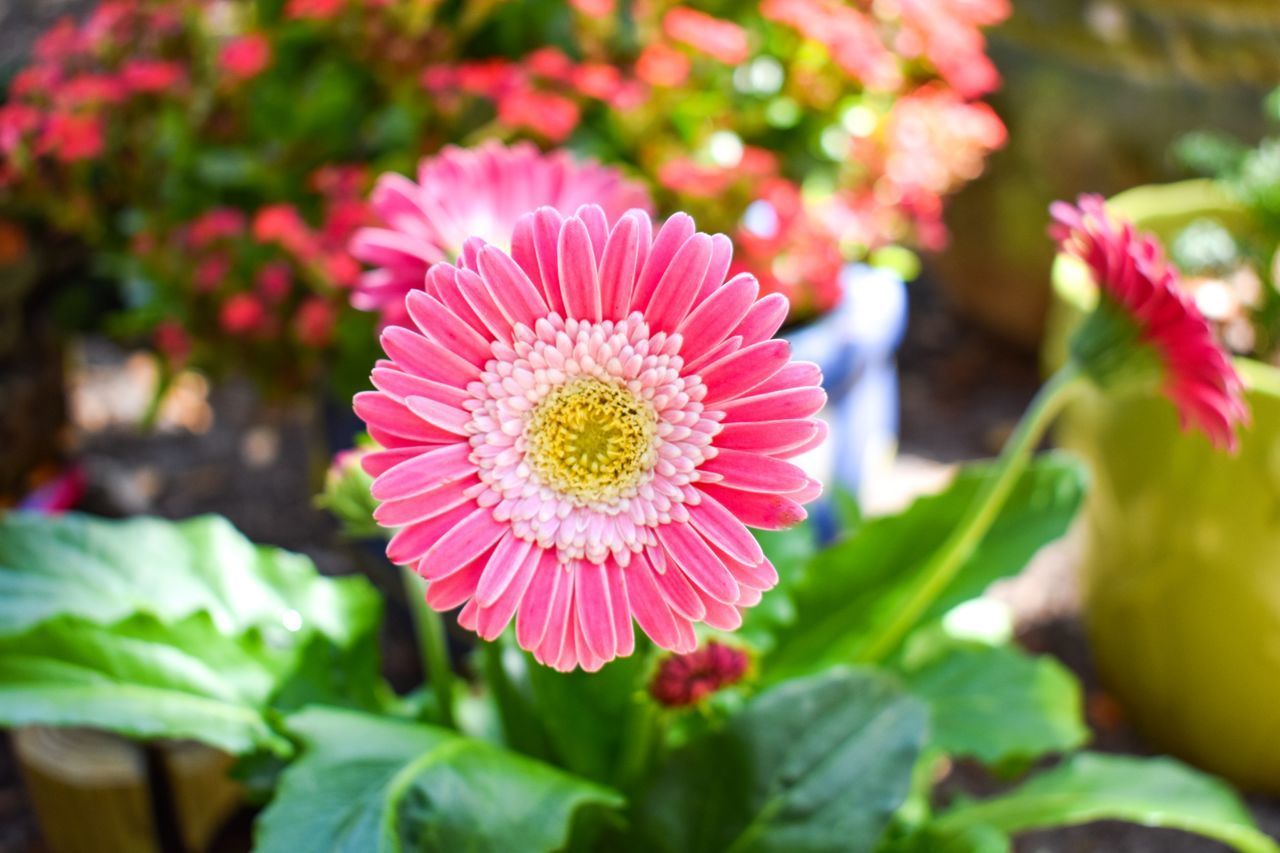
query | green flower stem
(432,645)
(942,567)
(641,727)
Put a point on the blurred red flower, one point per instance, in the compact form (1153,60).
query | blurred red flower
(720,39)
(245,57)
(241,314)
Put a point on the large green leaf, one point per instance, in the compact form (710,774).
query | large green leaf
(105,571)
(815,764)
(1088,787)
(367,784)
(998,705)
(143,678)
(852,591)
(161,629)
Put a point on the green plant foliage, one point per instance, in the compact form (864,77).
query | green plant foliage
(852,591)
(574,719)
(142,678)
(998,705)
(368,784)
(820,763)
(104,571)
(160,629)
(1088,787)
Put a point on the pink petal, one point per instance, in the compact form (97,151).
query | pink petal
(559,621)
(691,554)
(476,293)
(794,375)
(595,610)
(741,371)
(717,352)
(678,287)
(722,617)
(378,462)
(791,404)
(770,437)
(723,531)
(524,252)
(445,328)
(764,318)
(810,492)
(649,606)
(618,268)
(399,384)
(424,472)
(416,354)
(420,507)
(578,278)
(459,545)
(759,576)
(592,216)
(709,322)
(440,415)
(752,472)
(580,654)
(671,236)
(757,509)
(819,437)
(446,289)
(546,240)
(623,631)
(494,619)
(413,540)
(721,258)
(679,593)
(535,607)
(504,565)
(450,592)
(390,415)
(512,292)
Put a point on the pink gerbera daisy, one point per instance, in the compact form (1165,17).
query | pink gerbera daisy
(1141,289)
(578,433)
(467,192)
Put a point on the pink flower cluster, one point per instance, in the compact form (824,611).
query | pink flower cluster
(540,94)
(68,103)
(268,276)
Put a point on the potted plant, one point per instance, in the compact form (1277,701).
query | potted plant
(1181,591)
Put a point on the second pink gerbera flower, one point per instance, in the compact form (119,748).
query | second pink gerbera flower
(579,432)
(1141,288)
(471,192)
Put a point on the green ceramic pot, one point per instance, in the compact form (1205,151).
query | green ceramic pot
(1181,562)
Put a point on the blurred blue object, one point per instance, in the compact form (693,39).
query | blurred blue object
(855,345)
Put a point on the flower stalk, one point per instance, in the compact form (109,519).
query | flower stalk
(947,561)
(433,645)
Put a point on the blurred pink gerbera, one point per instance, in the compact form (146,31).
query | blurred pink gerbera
(1133,276)
(463,193)
(577,434)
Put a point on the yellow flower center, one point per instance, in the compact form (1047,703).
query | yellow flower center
(591,439)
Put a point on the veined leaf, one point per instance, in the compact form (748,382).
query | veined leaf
(997,704)
(1088,787)
(104,571)
(854,590)
(367,784)
(143,678)
(816,764)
